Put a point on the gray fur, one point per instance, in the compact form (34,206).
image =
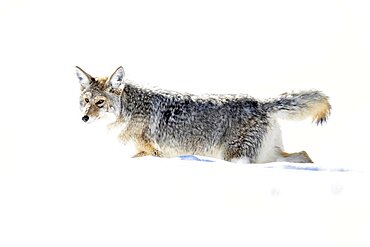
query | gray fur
(196,124)
(234,126)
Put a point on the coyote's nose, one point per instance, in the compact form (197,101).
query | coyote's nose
(85,118)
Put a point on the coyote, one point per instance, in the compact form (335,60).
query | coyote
(232,127)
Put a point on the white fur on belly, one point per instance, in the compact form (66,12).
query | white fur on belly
(272,144)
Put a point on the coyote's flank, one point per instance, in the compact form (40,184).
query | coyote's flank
(232,127)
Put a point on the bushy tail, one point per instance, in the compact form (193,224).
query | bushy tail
(296,106)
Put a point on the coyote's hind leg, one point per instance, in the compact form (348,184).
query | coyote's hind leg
(301,157)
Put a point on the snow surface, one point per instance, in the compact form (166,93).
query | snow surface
(183,201)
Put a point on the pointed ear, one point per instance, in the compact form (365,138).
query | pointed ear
(117,78)
(83,77)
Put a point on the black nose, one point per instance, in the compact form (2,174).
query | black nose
(85,118)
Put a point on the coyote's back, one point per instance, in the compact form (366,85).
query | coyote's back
(166,123)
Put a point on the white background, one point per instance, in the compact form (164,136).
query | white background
(261,48)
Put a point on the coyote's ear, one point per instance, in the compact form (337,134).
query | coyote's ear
(117,78)
(83,77)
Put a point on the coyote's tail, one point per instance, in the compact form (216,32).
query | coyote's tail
(300,105)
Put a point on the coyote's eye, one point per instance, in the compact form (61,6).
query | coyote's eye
(86,100)
(100,103)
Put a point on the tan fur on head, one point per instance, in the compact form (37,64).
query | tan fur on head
(102,82)
(99,82)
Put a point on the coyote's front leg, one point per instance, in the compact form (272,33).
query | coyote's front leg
(145,148)
(144,153)
(140,154)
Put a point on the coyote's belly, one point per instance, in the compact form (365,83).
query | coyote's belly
(190,132)
(172,151)
(214,145)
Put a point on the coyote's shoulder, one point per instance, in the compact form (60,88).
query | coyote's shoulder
(166,123)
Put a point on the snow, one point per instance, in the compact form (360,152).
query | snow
(90,193)
(67,183)
(174,202)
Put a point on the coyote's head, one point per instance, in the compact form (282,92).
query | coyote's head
(100,96)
